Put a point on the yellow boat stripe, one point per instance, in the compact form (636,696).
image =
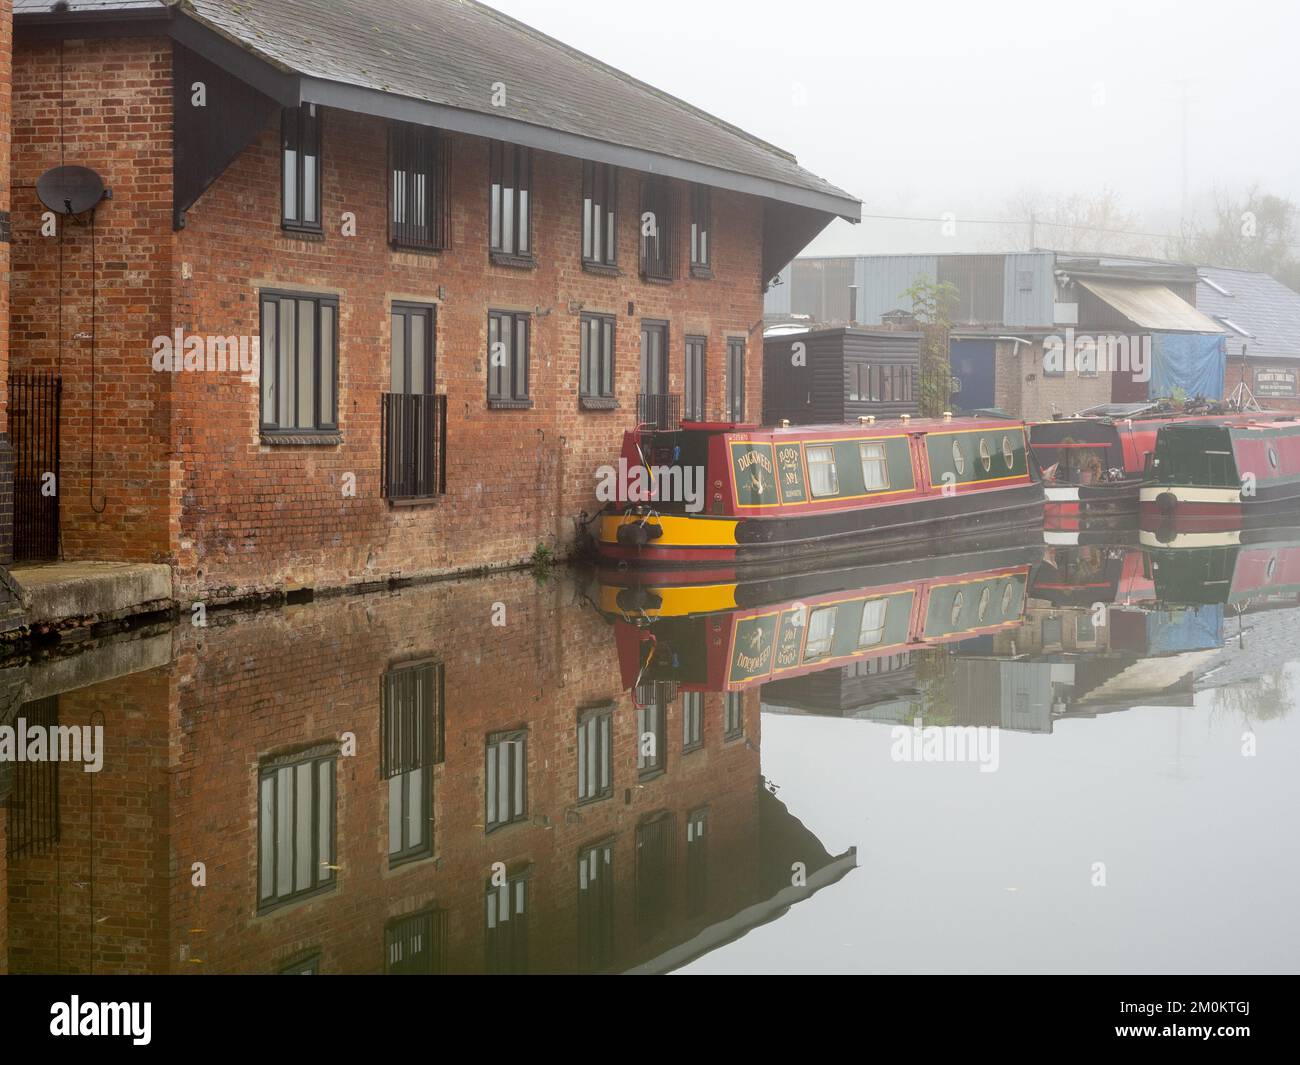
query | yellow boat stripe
(678,531)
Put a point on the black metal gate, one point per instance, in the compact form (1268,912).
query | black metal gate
(34,404)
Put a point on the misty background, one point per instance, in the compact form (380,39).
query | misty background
(1159,119)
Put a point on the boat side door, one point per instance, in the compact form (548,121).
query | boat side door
(920,462)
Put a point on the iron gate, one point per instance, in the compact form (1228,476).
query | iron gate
(34,404)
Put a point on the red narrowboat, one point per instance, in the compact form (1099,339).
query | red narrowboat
(765,495)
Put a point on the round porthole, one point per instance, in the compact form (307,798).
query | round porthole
(986,456)
(1272,568)
(1272,458)
(1007,597)
(985,596)
(1008,453)
(958,601)
(958,458)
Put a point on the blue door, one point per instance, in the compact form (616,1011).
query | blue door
(972,365)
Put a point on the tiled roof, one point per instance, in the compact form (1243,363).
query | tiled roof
(44,7)
(1263,307)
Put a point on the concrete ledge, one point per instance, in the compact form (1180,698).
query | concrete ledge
(61,593)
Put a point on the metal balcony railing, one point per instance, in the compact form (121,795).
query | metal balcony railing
(659,411)
(414,433)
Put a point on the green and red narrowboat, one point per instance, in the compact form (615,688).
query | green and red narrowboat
(1217,474)
(773,495)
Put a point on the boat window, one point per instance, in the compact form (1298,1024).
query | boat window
(1007,596)
(1008,453)
(958,458)
(873,623)
(1272,458)
(821,471)
(985,596)
(958,601)
(875,468)
(986,456)
(821,631)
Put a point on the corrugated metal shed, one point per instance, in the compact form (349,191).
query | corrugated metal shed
(1029,289)
(882,280)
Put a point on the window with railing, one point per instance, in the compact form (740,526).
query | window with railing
(414,432)
(411,736)
(507,924)
(599,216)
(596,906)
(417,211)
(510,228)
(656,229)
(416,945)
(697,861)
(701,252)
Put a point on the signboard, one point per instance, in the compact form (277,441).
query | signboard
(751,654)
(754,470)
(1276,382)
(789,641)
(789,467)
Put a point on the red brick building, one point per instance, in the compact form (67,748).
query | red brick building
(464,249)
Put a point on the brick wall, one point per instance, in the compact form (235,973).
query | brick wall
(104,104)
(1038,399)
(180,785)
(179,458)
(6,452)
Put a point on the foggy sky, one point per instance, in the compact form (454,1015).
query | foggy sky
(923,108)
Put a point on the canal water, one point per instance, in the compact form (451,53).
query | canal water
(1036,757)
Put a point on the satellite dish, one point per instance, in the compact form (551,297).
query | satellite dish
(70,189)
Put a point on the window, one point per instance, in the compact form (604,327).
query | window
(596,907)
(295,820)
(958,458)
(416,945)
(697,861)
(821,631)
(694,398)
(300,172)
(511,218)
(417,210)
(986,456)
(508,359)
(596,754)
(1008,453)
(300,363)
(303,966)
(692,721)
(411,732)
(1084,630)
(821,471)
(875,467)
(412,332)
(507,925)
(736,380)
(734,716)
(654,358)
(506,779)
(656,229)
(596,367)
(650,746)
(599,214)
(872,630)
(700,253)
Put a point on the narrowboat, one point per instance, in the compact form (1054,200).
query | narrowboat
(1235,568)
(1096,461)
(1219,474)
(771,495)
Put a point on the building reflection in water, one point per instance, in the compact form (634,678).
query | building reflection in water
(396,784)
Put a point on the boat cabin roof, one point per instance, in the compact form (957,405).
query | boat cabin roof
(880,425)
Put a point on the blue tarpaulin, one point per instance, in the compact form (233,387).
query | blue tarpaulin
(1194,629)
(1193,362)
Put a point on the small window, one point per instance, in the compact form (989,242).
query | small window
(700,251)
(1084,630)
(1008,597)
(958,458)
(821,471)
(507,925)
(300,172)
(692,721)
(508,359)
(872,630)
(412,331)
(596,755)
(821,631)
(656,229)
(510,222)
(1008,453)
(596,366)
(734,717)
(650,736)
(416,945)
(958,601)
(694,382)
(1272,458)
(416,188)
(985,597)
(875,467)
(299,374)
(295,828)
(736,380)
(506,779)
(599,217)
(986,456)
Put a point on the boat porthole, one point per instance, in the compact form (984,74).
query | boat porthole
(1272,458)
(958,601)
(986,456)
(1006,600)
(985,596)
(958,458)
(1272,566)
(1008,455)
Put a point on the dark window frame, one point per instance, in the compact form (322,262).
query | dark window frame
(737,350)
(513,398)
(430,922)
(407,310)
(503,156)
(494,741)
(605,327)
(269,771)
(695,380)
(733,720)
(326,429)
(596,906)
(301,123)
(663,385)
(409,747)
(514,959)
(595,715)
(657,198)
(648,768)
(600,201)
(698,831)
(422,151)
(701,231)
(692,715)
